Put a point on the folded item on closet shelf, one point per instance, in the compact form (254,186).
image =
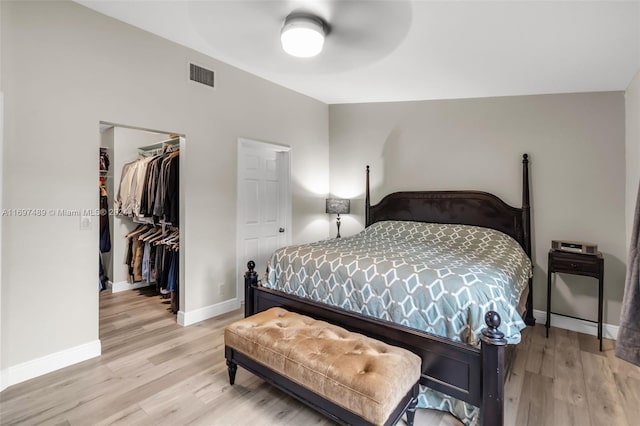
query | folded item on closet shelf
(104,159)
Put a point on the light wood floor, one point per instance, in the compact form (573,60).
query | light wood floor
(154,372)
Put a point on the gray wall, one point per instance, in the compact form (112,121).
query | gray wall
(576,144)
(65,68)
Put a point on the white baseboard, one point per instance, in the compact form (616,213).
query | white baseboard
(609,331)
(48,363)
(3,380)
(124,286)
(197,315)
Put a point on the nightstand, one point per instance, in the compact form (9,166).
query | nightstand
(577,264)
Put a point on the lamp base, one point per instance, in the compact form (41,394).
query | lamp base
(338,224)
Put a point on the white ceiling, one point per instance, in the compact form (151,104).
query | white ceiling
(411,50)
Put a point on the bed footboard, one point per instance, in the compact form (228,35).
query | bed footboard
(465,372)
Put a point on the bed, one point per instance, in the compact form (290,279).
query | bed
(453,363)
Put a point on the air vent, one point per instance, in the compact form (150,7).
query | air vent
(201,75)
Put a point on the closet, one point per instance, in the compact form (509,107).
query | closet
(144,224)
(148,193)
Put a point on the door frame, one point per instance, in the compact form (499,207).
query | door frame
(3,381)
(182,223)
(284,157)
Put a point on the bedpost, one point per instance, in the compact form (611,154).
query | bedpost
(526,225)
(526,208)
(367,202)
(250,281)
(492,346)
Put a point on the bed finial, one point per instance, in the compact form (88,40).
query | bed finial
(367,203)
(525,184)
(493,321)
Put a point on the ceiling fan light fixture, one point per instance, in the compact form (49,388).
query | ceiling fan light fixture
(302,35)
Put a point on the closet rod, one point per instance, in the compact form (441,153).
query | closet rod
(172,141)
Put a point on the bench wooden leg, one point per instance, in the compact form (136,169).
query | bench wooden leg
(411,411)
(233,367)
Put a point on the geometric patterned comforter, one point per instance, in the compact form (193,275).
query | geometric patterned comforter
(440,279)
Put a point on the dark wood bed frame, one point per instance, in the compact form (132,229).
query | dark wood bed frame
(475,375)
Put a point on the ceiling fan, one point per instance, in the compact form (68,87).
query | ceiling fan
(249,32)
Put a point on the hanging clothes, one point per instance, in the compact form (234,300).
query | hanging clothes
(149,189)
(149,193)
(133,255)
(166,199)
(628,343)
(153,256)
(174,273)
(124,199)
(103,279)
(171,201)
(105,233)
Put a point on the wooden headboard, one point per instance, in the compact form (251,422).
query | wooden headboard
(457,207)
(460,207)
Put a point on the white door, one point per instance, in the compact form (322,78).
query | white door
(264,204)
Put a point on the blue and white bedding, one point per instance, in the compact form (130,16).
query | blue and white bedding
(440,279)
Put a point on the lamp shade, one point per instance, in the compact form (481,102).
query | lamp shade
(338,206)
(302,35)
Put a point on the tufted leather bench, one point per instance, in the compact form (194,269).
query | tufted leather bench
(349,377)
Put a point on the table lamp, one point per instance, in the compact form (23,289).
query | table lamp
(338,206)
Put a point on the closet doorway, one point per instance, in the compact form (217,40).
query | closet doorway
(141,218)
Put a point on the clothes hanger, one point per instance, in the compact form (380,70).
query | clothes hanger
(154,238)
(136,231)
(171,238)
(153,232)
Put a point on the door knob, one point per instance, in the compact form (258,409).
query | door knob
(281,230)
